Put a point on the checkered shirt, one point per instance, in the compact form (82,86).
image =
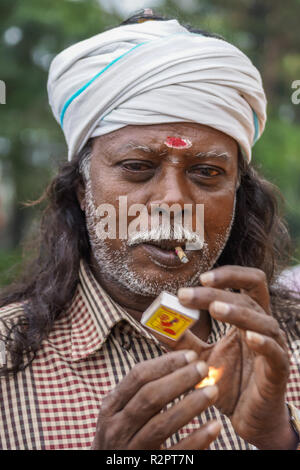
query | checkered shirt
(54,402)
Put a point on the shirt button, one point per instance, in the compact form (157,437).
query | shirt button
(126,344)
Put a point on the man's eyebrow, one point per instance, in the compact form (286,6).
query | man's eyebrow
(214,154)
(147,149)
(142,147)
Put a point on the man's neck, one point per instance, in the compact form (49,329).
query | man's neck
(136,304)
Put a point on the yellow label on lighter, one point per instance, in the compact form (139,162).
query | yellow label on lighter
(168,322)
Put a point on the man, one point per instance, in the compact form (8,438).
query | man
(163,116)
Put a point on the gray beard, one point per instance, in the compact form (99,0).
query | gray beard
(114,264)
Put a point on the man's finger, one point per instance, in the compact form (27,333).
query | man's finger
(201,297)
(276,361)
(164,425)
(143,373)
(246,319)
(155,395)
(188,341)
(251,280)
(200,439)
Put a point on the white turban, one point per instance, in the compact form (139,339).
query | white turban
(152,73)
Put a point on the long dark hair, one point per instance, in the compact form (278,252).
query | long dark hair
(259,238)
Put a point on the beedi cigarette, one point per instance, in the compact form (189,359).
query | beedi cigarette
(181,254)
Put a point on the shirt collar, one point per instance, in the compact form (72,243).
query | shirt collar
(93,314)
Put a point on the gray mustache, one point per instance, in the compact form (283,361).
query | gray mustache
(178,233)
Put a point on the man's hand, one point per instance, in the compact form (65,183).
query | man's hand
(253,355)
(131,417)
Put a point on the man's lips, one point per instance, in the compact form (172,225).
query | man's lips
(163,252)
(166,245)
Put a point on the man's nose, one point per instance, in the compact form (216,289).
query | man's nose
(172,188)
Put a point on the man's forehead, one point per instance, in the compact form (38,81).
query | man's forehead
(164,149)
(158,137)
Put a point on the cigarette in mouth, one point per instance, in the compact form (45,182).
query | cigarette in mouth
(181,254)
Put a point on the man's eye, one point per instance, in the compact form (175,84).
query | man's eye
(136,166)
(206,172)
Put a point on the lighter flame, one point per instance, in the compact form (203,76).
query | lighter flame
(213,377)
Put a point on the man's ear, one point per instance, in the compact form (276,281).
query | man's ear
(80,192)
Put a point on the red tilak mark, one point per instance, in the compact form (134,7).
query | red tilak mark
(178,143)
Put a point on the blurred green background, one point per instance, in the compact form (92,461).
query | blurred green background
(32,32)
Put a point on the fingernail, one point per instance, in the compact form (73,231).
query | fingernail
(190,356)
(221,307)
(211,391)
(185,293)
(207,278)
(214,428)
(255,337)
(202,368)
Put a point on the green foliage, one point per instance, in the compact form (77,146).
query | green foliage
(9,265)
(277,155)
(31,142)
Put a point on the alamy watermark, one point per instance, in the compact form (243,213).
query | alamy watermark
(296,95)
(2,92)
(166,222)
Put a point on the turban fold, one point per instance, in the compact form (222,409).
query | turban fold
(153,73)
